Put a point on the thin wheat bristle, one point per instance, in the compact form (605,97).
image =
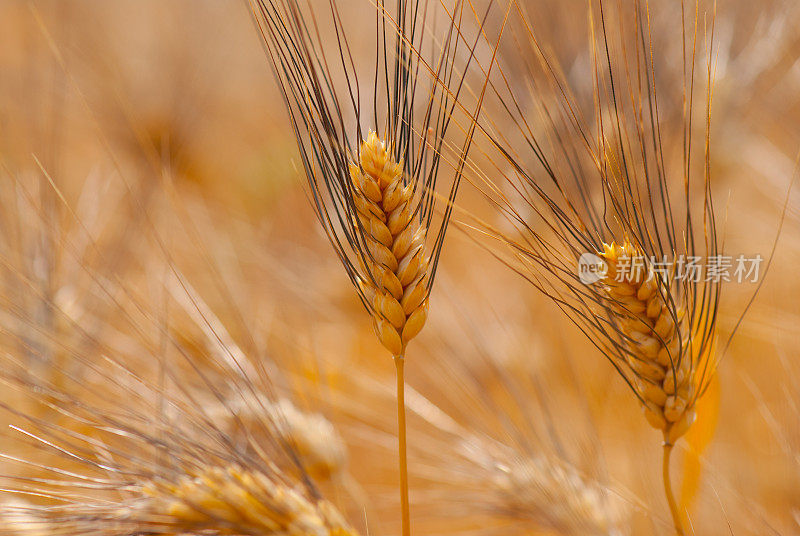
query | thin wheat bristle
(660,342)
(245,501)
(398,267)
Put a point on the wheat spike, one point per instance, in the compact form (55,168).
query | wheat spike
(396,286)
(660,343)
(660,351)
(232,500)
(215,500)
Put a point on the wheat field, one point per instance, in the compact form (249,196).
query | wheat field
(367,267)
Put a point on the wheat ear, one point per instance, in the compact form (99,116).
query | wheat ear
(659,349)
(660,352)
(246,502)
(397,282)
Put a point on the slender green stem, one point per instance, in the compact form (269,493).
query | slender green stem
(401,434)
(673,506)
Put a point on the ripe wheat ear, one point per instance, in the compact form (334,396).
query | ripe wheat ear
(666,351)
(374,196)
(397,279)
(580,185)
(660,344)
(397,267)
(240,502)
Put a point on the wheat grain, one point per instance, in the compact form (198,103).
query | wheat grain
(397,270)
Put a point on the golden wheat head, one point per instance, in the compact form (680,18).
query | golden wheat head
(232,500)
(663,346)
(397,267)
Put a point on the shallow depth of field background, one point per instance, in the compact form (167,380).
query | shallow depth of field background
(156,116)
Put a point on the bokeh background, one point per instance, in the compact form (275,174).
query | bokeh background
(159,125)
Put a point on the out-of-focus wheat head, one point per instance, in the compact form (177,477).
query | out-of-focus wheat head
(247,502)
(224,500)
(318,443)
(101,468)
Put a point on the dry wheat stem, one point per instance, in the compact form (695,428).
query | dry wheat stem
(673,506)
(399,362)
